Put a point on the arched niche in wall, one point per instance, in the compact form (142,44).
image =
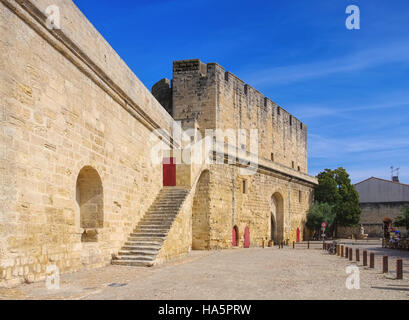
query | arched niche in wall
(90,199)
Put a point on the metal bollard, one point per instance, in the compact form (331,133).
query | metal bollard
(365,258)
(346,252)
(372,260)
(293,244)
(308,244)
(357,255)
(385,264)
(342,251)
(350,254)
(399,271)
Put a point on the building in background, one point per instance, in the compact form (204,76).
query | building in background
(379,199)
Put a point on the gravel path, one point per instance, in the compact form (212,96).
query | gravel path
(255,273)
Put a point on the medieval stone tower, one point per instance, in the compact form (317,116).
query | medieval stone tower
(79,186)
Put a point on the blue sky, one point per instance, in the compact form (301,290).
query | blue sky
(351,87)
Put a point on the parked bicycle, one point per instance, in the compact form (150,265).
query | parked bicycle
(332,249)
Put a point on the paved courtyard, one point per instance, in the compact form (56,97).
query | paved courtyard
(255,273)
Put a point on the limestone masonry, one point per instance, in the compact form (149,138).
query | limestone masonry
(79,188)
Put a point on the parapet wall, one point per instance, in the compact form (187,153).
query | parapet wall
(68,103)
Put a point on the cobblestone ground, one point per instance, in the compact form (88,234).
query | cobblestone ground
(255,273)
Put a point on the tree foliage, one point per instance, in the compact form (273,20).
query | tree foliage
(403,219)
(335,188)
(319,213)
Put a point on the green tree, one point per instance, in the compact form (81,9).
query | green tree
(335,188)
(403,219)
(319,213)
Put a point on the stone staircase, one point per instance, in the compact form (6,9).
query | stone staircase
(145,241)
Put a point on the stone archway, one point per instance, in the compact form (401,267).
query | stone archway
(200,213)
(90,199)
(277,217)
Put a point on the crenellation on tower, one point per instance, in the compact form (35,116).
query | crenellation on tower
(219,99)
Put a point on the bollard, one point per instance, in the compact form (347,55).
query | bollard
(346,252)
(308,244)
(385,264)
(372,260)
(357,255)
(350,254)
(293,244)
(399,272)
(365,258)
(342,251)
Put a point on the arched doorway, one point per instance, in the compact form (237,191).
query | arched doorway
(246,237)
(90,199)
(277,217)
(235,236)
(200,213)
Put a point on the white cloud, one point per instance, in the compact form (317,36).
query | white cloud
(389,53)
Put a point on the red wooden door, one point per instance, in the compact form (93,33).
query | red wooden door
(298,234)
(235,237)
(247,237)
(169,172)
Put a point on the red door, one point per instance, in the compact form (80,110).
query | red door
(235,237)
(169,172)
(298,234)
(247,237)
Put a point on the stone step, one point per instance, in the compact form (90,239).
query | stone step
(133,263)
(150,230)
(159,209)
(177,195)
(146,240)
(163,208)
(158,221)
(143,238)
(157,226)
(134,247)
(148,234)
(135,257)
(162,211)
(153,244)
(146,253)
(161,215)
(153,228)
